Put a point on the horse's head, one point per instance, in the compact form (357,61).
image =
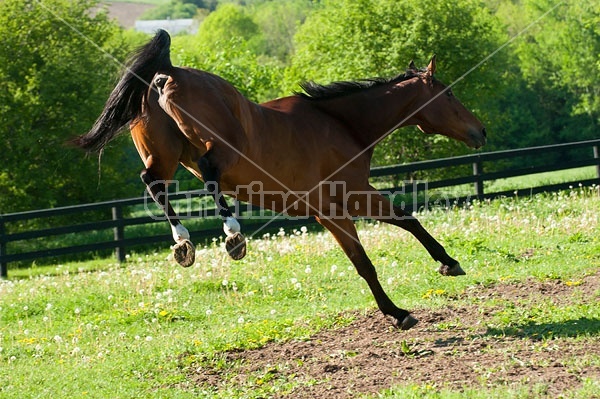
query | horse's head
(442,113)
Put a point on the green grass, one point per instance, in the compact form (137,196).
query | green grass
(103,330)
(446,195)
(540,179)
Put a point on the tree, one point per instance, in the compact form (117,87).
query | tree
(354,39)
(558,59)
(233,60)
(227,22)
(278,22)
(226,44)
(56,81)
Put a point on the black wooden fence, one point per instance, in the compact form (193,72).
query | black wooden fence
(588,154)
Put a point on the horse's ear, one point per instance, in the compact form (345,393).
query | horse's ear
(411,66)
(431,66)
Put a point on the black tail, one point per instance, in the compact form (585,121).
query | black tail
(125,102)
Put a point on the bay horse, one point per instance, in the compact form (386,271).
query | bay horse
(297,145)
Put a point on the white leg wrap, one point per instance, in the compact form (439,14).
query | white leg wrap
(231,226)
(180,233)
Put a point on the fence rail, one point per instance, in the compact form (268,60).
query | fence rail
(118,222)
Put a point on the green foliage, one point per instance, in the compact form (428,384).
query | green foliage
(226,45)
(541,89)
(54,88)
(558,59)
(278,22)
(349,40)
(228,21)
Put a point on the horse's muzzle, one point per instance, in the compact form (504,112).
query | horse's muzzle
(477,138)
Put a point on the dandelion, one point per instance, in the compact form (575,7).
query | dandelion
(308,270)
(149,338)
(208,312)
(241,320)
(77,311)
(58,339)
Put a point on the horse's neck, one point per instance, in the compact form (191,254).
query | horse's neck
(374,113)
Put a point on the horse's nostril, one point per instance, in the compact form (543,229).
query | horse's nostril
(484,132)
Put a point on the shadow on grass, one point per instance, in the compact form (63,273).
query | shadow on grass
(569,328)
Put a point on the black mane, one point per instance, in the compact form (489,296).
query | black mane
(315,91)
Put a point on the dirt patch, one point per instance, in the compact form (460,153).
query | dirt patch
(127,13)
(451,347)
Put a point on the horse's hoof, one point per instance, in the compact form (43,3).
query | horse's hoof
(184,253)
(455,270)
(406,323)
(236,246)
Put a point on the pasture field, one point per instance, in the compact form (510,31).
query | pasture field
(294,320)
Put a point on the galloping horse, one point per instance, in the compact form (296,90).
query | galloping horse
(295,145)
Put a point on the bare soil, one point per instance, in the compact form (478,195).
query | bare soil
(127,13)
(454,347)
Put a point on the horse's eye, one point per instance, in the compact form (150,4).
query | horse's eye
(449,93)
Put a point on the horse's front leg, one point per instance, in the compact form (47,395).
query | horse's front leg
(381,209)
(183,250)
(235,243)
(345,233)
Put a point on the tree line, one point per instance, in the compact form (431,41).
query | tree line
(61,58)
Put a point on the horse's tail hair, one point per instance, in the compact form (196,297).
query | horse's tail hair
(125,102)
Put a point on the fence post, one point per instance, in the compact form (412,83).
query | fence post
(119,232)
(597,157)
(3,264)
(477,171)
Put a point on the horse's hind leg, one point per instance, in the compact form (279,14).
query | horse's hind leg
(235,243)
(184,251)
(344,232)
